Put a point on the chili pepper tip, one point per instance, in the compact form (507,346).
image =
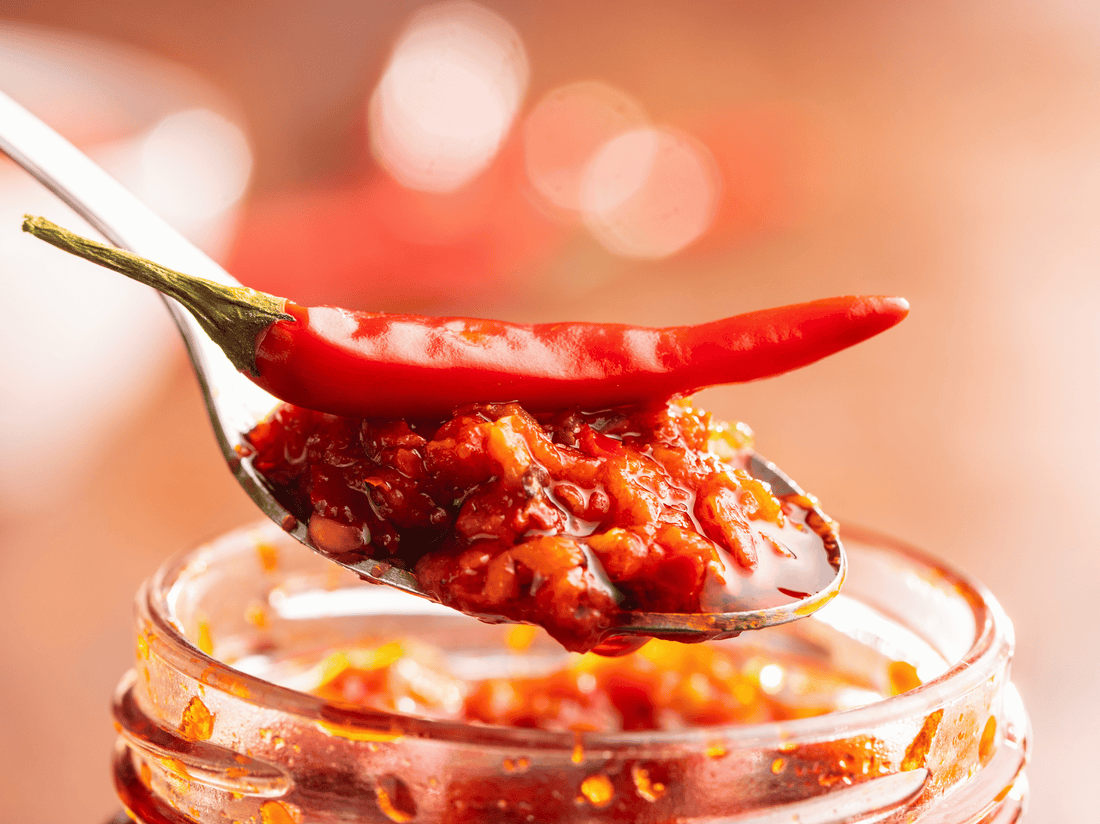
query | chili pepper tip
(895,309)
(897,306)
(880,312)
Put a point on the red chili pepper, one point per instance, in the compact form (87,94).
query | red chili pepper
(372,365)
(369,365)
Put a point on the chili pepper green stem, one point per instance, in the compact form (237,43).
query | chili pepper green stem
(232,316)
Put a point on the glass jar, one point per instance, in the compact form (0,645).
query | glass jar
(212,730)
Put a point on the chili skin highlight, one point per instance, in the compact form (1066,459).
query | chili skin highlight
(371,365)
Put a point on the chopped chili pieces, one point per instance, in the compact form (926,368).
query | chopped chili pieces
(561,519)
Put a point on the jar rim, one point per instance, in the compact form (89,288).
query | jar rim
(992,643)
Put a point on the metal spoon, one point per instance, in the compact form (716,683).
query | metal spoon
(235,404)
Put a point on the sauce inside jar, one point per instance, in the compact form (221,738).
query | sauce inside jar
(663,686)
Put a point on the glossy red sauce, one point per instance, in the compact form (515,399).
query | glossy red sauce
(561,520)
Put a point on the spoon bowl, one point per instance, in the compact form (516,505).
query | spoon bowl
(235,405)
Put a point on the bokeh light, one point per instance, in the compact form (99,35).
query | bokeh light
(448,97)
(194,165)
(566,129)
(650,192)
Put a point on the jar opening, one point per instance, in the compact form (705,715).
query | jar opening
(232,646)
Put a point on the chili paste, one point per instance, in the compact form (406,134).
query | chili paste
(559,519)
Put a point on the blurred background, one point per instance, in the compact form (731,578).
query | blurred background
(639,162)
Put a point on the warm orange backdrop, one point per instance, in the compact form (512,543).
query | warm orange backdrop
(949,153)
